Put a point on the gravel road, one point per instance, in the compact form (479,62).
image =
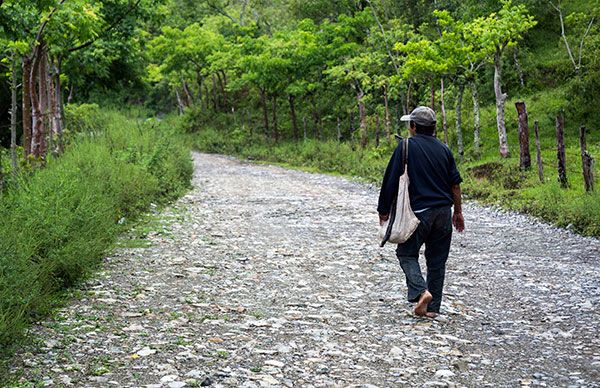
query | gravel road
(263,276)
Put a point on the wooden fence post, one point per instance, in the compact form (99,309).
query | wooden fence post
(539,151)
(525,157)
(560,150)
(587,162)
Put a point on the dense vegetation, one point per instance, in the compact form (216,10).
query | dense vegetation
(58,221)
(314,84)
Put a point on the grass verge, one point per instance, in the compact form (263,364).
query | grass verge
(57,222)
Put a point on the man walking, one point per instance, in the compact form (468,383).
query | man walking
(434,188)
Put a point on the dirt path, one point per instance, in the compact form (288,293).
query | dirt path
(263,276)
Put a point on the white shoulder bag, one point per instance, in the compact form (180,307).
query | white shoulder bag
(402,222)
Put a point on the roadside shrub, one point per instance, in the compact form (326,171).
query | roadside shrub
(83,118)
(58,221)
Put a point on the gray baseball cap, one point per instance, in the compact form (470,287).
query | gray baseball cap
(421,115)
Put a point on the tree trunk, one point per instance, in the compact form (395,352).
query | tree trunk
(519,69)
(362,119)
(377,130)
(223,84)
(180,103)
(234,114)
(26,107)
(275,126)
(316,118)
(500,100)
(206,98)
(70,96)
(215,95)
(263,100)
(304,123)
(189,98)
(560,151)
(37,121)
(292,100)
(243,119)
(459,135)
(476,119)
(443,107)
(407,107)
(52,112)
(399,111)
(586,161)
(432,102)
(339,129)
(539,152)
(13,118)
(525,156)
(199,82)
(59,106)
(388,125)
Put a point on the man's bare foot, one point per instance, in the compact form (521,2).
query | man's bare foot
(430,314)
(421,308)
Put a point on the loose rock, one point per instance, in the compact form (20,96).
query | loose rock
(262,276)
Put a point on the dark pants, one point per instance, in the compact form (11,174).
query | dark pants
(435,231)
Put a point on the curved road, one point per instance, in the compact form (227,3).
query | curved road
(262,276)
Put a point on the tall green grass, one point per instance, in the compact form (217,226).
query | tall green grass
(314,155)
(58,221)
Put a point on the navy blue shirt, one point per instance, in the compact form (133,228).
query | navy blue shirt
(431,170)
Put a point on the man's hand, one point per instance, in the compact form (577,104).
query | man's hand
(458,221)
(383,218)
(457,218)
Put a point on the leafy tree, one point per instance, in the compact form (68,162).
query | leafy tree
(183,55)
(495,33)
(305,59)
(466,55)
(359,73)
(44,34)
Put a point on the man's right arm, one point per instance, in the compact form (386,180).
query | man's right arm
(457,218)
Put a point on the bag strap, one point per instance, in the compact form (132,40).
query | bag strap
(388,231)
(405,154)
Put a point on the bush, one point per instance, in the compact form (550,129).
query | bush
(83,118)
(58,222)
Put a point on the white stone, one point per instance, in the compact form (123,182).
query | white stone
(444,374)
(275,363)
(396,352)
(134,328)
(145,352)
(168,378)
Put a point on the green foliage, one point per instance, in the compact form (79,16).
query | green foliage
(312,155)
(83,118)
(502,29)
(57,223)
